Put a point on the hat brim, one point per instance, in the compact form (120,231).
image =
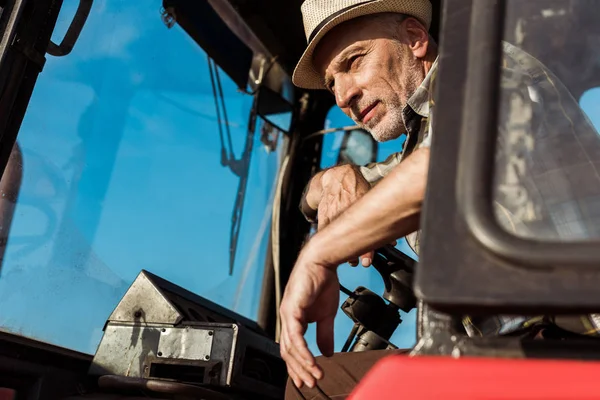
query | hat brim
(305,76)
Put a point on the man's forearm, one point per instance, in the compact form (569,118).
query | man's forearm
(389,211)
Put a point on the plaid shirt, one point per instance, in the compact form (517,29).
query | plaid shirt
(547,185)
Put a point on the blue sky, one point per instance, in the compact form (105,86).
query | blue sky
(122,172)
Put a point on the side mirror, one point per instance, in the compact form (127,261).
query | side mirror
(274,109)
(358,148)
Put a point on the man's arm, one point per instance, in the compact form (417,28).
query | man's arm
(372,173)
(388,211)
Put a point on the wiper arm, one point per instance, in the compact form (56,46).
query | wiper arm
(241,167)
(244,165)
(227,156)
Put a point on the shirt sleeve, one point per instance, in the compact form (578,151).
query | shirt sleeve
(374,172)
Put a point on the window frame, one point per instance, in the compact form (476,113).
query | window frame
(480,268)
(26,32)
(477,166)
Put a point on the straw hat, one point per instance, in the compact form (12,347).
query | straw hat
(320,16)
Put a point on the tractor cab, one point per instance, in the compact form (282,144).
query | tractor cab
(153,160)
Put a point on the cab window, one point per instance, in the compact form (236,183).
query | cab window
(547,185)
(124,168)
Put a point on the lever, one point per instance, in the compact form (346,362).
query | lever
(68,42)
(396,270)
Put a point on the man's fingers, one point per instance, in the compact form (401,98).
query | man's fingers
(303,376)
(367,259)
(294,377)
(325,336)
(297,344)
(298,349)
(323,222)
(303,372)
(297,372)
(285,355)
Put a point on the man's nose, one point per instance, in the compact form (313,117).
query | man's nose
(346,92)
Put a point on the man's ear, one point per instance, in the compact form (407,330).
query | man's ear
(417,37)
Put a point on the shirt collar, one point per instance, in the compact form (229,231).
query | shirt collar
(419,101)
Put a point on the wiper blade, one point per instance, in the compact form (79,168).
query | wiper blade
(241,167)
(244,168)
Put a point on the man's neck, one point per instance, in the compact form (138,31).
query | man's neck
(429,60)
(427,66)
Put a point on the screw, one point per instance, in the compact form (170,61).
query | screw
(137,314)
(159,353)
(207,358)
(164,330)
(210,333)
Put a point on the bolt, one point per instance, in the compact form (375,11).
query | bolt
(207,358)
(159,353)
(210,333)
(164,330)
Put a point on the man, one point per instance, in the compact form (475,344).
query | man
(378,60)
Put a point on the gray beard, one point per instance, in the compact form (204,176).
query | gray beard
(390,128)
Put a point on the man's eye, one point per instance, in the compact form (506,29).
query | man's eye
(353,61)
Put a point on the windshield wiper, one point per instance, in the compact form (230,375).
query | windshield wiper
(240,167)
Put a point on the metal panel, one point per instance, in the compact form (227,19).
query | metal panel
(145,303)
(195,308)
(238,358)
(124,348)
(185,343)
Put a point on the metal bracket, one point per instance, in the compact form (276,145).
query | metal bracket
(68,42)
(168,17)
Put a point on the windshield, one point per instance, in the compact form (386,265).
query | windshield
(122,171)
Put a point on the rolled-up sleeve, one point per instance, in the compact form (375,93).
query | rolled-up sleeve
(374,172)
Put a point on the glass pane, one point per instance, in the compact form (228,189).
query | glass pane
(122,171)
(353,277)
(281,120)
(547,181)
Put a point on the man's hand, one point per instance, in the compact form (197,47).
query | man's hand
(311,295)
(332,191)
(390,210)
(340,188)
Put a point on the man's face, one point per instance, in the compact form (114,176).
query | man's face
(372,71)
